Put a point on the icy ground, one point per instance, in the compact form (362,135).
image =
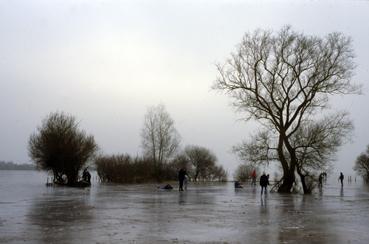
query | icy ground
(30,212)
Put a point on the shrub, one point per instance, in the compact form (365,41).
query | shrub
(123,169)
(61,147)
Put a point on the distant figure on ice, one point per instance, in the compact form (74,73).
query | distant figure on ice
(341,178)
(253,178)
(264,182)
(181,177)
(322,177)
(325,176)
(320,180)
(86,176)
(237,185)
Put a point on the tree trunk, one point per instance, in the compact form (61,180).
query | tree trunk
(288,169)
(305,188)
(288,180)
(303,183)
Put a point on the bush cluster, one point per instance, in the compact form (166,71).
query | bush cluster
(60,146)
(125,169)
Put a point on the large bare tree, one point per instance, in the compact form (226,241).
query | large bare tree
(159,137)
(283,80)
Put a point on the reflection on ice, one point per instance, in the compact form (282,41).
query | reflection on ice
(59,216)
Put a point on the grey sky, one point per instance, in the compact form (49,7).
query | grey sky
(106,61)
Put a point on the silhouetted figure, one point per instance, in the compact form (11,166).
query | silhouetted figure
(324,177)
(264,182)
(181,177)
(321,176)
(341,178)
(253,178)
(237,185)
(86,176)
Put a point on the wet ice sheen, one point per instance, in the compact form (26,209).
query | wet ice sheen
(108,213)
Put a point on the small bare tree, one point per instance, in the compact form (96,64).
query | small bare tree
(315,144)
(282,80)
(202,159)
(59,146)
(362,165)
(244,172)
(218,173)
(160,139)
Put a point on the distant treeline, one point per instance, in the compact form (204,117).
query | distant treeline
(13,166)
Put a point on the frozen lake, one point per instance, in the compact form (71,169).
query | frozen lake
(30,212)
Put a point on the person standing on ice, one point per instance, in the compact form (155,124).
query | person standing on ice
(341,178)
(264,182)
(253,178)
(181,177)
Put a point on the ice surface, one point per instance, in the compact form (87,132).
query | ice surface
(30,212)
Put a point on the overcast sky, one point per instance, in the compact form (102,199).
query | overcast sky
(107,61)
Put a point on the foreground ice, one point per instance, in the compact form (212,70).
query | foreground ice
(30,212)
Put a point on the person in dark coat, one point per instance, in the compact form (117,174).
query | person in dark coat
(321,176)
(341,178)
(264,182)
(237,184)
(181,177)
(86,176)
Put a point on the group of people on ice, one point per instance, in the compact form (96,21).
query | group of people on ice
(263,181)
